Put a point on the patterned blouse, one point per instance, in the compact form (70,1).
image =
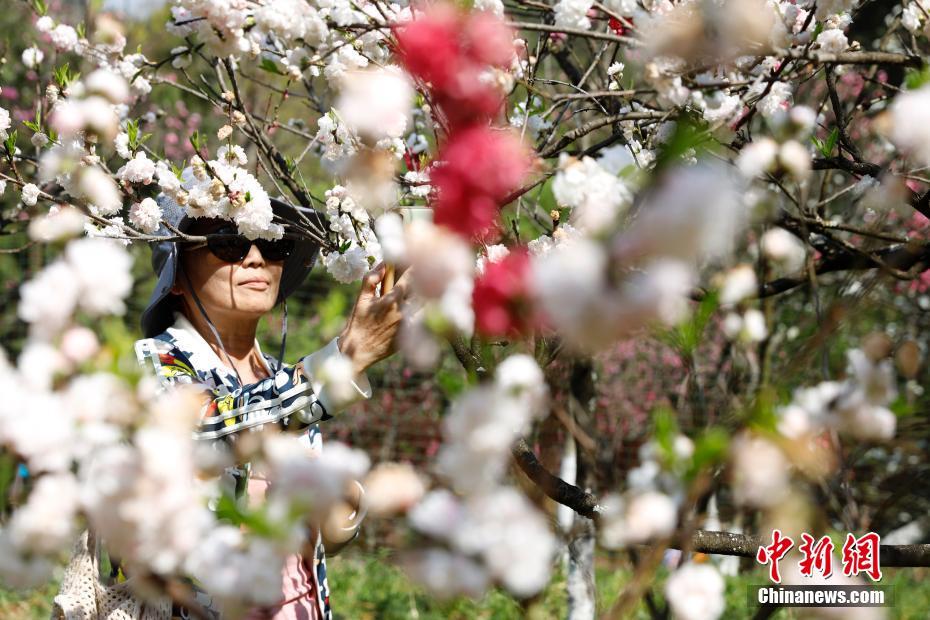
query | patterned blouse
(293,398)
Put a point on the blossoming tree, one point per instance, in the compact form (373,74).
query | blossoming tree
(560,177)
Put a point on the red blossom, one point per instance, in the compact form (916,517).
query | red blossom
(449,51)
(429,47)
(501,297)
(618,26)
(480,168)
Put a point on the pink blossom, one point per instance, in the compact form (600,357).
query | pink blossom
(481,167)
(501,296)
(451,50)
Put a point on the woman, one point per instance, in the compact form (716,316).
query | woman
(200,328)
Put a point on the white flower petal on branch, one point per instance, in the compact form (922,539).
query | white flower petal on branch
(100,191)
(64,38)
(376,102)
(45,523)
(30,194)
(145,215)
(739,283)
(139,169)
(32,57)
(760,472)
(446,575)
(695,592)
(391,488)
(573,14)
(47,301)
(910,123)
(784,249)
(102,268)
(596,196)
(107,84)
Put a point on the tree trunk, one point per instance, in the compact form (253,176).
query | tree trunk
(580,584)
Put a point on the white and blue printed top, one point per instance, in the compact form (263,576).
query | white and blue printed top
(295,398)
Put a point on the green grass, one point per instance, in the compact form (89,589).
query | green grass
(33,604)
(368,587)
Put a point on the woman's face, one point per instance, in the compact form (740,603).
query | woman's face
(228,291)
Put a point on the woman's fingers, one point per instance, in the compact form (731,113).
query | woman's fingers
(372,278)
(395,297)
(400,291)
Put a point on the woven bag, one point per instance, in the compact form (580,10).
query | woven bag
(83,597)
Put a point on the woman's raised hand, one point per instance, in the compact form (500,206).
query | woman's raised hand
(370,335)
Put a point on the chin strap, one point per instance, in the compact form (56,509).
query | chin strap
(215,333)
(283,339)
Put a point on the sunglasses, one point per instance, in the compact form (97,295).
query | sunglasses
(228,246)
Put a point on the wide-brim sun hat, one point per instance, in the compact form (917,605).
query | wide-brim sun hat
(159,313)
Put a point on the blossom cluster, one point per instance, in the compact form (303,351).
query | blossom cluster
(492,521)
(457,55)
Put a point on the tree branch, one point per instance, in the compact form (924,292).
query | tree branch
(587,128)
(590,34)
(554,487)
(702,541)
(746,545)
(855,58)
(901,257)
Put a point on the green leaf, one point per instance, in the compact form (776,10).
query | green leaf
(915,78)
(40,7)
(33,126)
(81,30)
(902,408)
(831,141)
(135,138)
(228,509)
(689,134)
(451,382)
(270,66)
(196,141)
(709,449)
(690,332)
(7,475)
(762,415)
(132,130)
(10,142)
(825,147)
(63,76)
(666,430)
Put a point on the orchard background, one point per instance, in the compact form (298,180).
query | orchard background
(699,229)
